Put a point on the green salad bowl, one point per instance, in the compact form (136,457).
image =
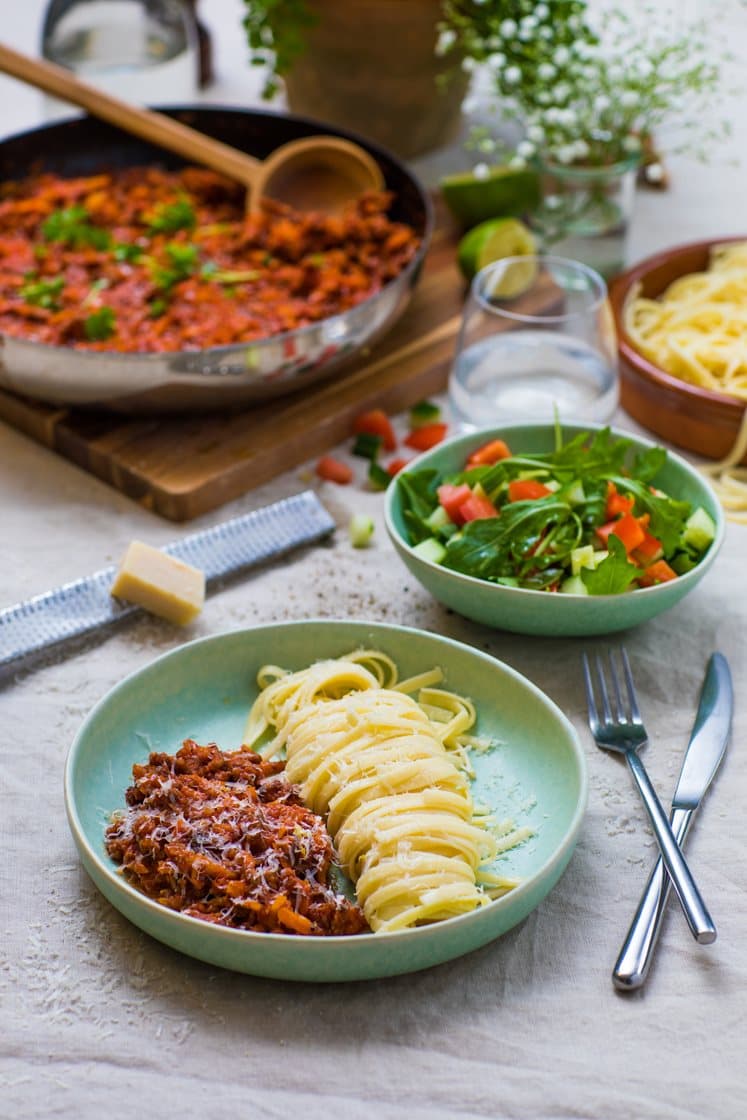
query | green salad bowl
(525,611)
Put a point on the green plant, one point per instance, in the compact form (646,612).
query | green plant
(275,32)
(590,86)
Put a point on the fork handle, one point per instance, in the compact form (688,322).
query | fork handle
(634,961)
(699,920)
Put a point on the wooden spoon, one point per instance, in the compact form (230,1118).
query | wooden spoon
(313,173)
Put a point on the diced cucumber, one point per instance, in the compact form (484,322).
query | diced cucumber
(573,493)
(507,581)
(683,562)
(600,554)
(430,549)
(439,519)
(582,557)
(360,530)
(574,585)
(699,530)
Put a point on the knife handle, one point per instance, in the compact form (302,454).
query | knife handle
(635,957)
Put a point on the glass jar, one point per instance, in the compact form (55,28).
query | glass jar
(144,51)
(585,212)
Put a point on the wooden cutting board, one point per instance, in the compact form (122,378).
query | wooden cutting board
(183,466)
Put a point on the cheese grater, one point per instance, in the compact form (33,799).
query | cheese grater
(78,608)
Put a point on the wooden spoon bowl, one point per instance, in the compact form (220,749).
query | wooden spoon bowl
(315,173)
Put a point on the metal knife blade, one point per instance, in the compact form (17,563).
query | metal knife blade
(708,740)
(85,605)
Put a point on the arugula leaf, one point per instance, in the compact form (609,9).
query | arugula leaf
(615,573)
(100,325)
(419,499)
(527,537)
(648,464)
(668,515)
(71,227)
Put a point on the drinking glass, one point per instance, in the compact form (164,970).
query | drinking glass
(537,341)
(144,51)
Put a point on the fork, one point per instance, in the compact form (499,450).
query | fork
(624,733)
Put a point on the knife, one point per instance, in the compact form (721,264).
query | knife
(77,608)
(703,756)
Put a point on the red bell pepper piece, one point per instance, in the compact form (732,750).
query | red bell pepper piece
(422,439)
(489,453)
(627,528)
(649,550)
(376,423)
(332,470)
(451,498)
(526,489)
(659,572)
(475,508)
(617,503)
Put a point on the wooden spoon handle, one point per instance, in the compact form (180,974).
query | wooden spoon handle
(146,124)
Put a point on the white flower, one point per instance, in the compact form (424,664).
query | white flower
(544,97)
(497,60)
(481,171)
(545,32)
(654,172)
(468,65)
(487,144)
(526,34)
(541,12)
(446,41)
(529,22)
(644,68)
(565,154)
(552,201)
(536,133)
(517,163)
(562,56)
(602,102)
(581,149)
(562,90)
(546,71)
(525,149)
(629,98)
(508,28)
(584,50)
(512,75)
(632,143)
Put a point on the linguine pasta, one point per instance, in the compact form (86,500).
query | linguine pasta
(391,775)
(697,328)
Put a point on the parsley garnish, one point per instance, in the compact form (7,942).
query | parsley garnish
(43,293)
(128,253)
(100,325)
(183,260)
(71,227)
(170,217)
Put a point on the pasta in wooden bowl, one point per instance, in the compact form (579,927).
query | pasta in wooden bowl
(681,320)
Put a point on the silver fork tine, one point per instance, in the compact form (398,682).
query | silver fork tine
(634,710)
(603,690)
(621,710)
(590,701)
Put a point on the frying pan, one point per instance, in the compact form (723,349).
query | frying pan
(222,376)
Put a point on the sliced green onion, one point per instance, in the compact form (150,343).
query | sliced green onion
(360,530)
(367,446)
(378,478)
(423,413)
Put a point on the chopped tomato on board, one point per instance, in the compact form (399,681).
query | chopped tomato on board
(332,470)
(422,439)
(396,465)
(375,422)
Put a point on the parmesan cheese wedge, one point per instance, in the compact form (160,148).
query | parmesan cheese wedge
(161,584)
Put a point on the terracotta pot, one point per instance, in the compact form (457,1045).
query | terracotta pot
(370,66)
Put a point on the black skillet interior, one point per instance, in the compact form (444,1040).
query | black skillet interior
(85,145)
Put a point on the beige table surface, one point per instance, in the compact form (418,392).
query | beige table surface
(97,1020)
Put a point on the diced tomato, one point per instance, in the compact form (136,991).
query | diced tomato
(649,550)
(489,453)
(451,498)
(396,465)
(332,470)
(376,423)
(617,503)
(660,572)
(626,528)
(475,508)
(421,439)
(526,489)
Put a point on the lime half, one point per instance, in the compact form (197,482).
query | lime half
(493,241)
(503,192)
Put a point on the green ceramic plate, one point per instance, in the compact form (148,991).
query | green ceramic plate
(204,689)
(540,612)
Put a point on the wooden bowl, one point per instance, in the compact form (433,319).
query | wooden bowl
(683,414)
